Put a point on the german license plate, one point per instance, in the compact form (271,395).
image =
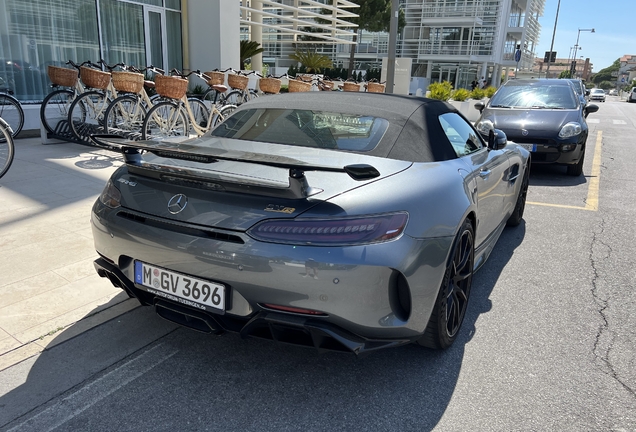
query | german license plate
(529,147)
(179,287)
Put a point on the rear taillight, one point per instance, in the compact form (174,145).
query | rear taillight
(110,196)
(331,232)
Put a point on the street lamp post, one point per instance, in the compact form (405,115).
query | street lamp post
(556,19)
(576,50)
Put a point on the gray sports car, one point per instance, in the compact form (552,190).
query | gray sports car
(341,221)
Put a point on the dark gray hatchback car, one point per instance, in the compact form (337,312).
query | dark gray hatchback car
(543,115)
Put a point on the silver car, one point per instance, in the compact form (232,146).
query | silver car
(340,221)
(597,94)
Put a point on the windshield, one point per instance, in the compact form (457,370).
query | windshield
(535,96)
(305,128)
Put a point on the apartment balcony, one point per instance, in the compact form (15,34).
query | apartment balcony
(436,15)
(445,50)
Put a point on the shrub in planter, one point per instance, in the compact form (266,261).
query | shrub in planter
(490,91)
(460,94)
(440,91)
(477,94)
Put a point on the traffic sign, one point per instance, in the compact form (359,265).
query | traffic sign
(517,55)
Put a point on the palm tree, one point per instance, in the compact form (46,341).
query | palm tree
(249,49)
(311,60)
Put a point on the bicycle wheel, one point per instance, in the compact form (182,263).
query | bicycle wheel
(6,147)
(55,108)
(236,97)
(86,115)
(223,113)
(12,113)
(164,120)
(200,113)
(213,97)
(252,94)
(125,116)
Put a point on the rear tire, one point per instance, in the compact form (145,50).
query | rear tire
(11,112)
(452,299)
(86,116)
(125,116)
(6,147)
(55,108)
(517,213)
(164,120)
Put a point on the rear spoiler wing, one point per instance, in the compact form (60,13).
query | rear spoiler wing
(298,186)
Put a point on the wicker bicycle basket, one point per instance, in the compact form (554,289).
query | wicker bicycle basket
(374,87)
(269,85)
(62,76)
(94,78)
(298,86)
(237,81)
(171,87)
(350,87)
(215,77)
(326,85)
(128,81)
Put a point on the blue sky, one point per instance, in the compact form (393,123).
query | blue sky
(614,34)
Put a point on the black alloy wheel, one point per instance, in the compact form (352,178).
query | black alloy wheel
(517,213)
(452,300)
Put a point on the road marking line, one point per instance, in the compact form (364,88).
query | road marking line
(592,120)
(595,179)
(617,122)
(591,202)
(79,401)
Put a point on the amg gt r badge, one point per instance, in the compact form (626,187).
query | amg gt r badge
(279,209)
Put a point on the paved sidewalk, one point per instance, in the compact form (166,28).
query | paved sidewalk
(48,283)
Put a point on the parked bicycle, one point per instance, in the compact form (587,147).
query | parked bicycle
(125,115)
(86,114)
(181,116)
(240,93)
(7,147)
(11,111)
(56,105)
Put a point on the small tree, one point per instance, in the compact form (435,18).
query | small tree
(311,60)
(247,50)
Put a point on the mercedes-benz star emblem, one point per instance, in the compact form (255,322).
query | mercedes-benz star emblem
(524,132)
(177,203)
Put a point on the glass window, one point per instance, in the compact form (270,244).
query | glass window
(175,52)
(173,4)
(305,128)
(464,139)
(535,96)
(37,34)
(123,33)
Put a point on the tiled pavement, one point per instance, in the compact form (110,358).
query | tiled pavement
(47,280)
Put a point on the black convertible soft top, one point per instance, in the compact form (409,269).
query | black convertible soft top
(414,132)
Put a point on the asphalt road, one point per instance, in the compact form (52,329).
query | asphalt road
(548,344)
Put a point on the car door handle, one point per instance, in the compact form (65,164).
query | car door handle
(485,173)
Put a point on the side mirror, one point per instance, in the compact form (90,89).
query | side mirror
(480,106)
(589,109)
(497,139)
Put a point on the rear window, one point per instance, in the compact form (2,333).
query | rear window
(305,128)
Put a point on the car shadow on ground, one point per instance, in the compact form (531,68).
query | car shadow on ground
(143,372)
(554,175)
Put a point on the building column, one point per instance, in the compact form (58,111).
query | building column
(495,81)
(484,71)
(213,34)
(257,34)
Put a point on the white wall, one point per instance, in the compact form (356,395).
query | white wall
(213,34)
